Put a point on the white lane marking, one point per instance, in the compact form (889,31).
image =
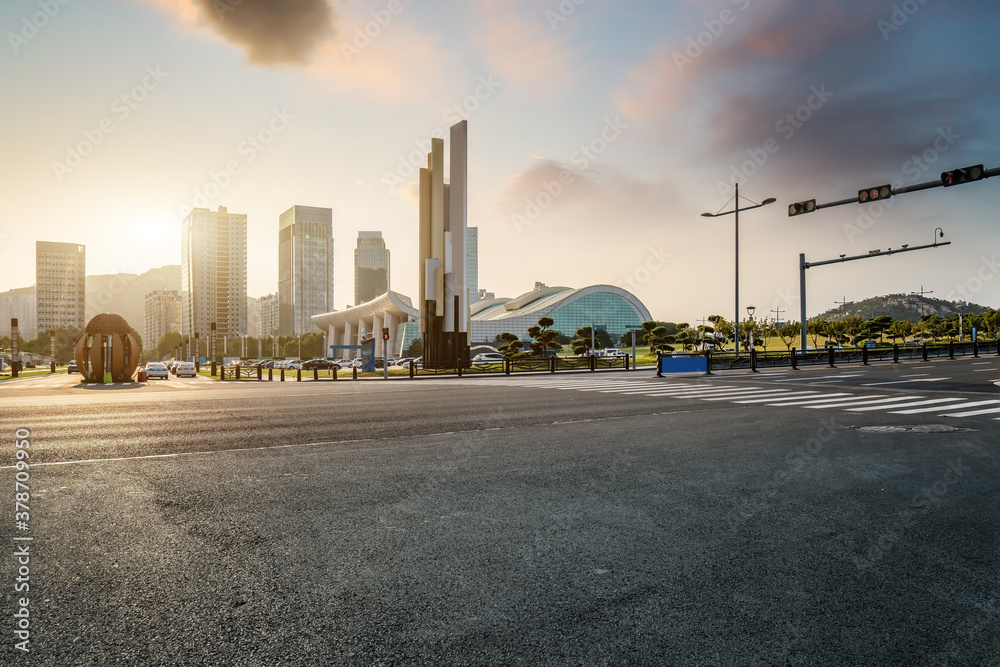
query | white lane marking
(936,408)
(974,412)
(875,384)
(825,398)
(911,405)
(696,393)
(983,370)
(981,363)
(691,390)
(865,401)
(771,398)
(826,382)
(915,375)
(822,377)
(772,393)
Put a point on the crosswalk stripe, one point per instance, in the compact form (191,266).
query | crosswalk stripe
(696,392)
(773,392)
(825,398)
(821,377)
(862,399)
(876,384)
(812,394)
(690,390)
(936,408)
(985,411)
(910,405)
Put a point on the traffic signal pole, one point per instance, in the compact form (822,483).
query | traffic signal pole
(803,265)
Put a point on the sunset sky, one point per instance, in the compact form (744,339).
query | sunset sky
(599,132)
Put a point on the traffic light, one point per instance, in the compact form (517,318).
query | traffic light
(878,193)
(959,176)
(385,333)
(798,208)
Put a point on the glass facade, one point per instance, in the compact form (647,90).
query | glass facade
(305,267)
(371,267)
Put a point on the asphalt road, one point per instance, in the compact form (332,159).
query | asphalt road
(592,518)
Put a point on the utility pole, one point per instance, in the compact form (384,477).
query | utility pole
(921,294)
(843,312)
(777,317)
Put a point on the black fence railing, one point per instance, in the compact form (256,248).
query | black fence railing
(833,356)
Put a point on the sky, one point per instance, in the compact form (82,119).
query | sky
(599,132)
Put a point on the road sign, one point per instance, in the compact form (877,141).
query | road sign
(600,327)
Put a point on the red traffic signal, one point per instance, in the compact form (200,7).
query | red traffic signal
(878,193)
(385,333)
(798,208)
(959,176)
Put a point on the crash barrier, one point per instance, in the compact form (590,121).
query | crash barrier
(793,358)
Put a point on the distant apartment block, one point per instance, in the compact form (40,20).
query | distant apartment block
(60,285)
(371,267)
(253,317)
(305,268)
(214,273)
(23,309)
(162,314)
(472,262)
(268,315)
(486,296)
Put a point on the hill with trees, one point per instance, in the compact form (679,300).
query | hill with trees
(902,307)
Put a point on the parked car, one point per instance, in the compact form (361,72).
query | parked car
(615,353)
(185,368)
(156,369)
(71,368)
(350,363)
(320,365)
(487,358)
(403,363)
(292,365)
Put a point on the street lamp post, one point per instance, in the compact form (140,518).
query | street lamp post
(736,214)
(750,311)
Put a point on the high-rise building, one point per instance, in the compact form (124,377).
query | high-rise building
(371,267)
(163,314)
(60,285)
(253,317)
(21,307)
(305,268)
(214,273)
(472,262)
(268,315)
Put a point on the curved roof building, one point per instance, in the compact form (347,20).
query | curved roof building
(613,307)
(617,309)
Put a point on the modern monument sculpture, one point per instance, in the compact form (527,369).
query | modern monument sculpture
(443,298)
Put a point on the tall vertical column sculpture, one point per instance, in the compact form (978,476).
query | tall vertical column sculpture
(443,297)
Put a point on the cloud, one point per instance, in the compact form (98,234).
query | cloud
(728,93)
(523,50)
(271,33)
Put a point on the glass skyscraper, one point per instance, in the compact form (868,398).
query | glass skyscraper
(305,268)
(371,267)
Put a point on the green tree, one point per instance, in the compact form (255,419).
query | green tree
(544,337)
(169,341)
(817,327)
(510,346)
(788,332)
(416,348)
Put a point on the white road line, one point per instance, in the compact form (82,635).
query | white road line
(773,392)
(983,370)
(822,377)
(980,363)
(910,405)
(973,413)
(897,399)
(975,404)
(696,393)
(771,398)
(689,390)
(937,408)
(826,382)
(915,375)
(826,398)
(875,384)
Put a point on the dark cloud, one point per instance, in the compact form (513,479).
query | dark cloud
(289,32)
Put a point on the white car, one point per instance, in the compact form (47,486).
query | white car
(185,368)
(615,353)
(487,358)
(156,369)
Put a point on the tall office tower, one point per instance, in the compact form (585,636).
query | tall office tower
(214,273)
(22,308)
(253,317)
(60,285)
(268,315)
(444,214)
(163,314)
(472,263)
(371,267)
(305,268)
